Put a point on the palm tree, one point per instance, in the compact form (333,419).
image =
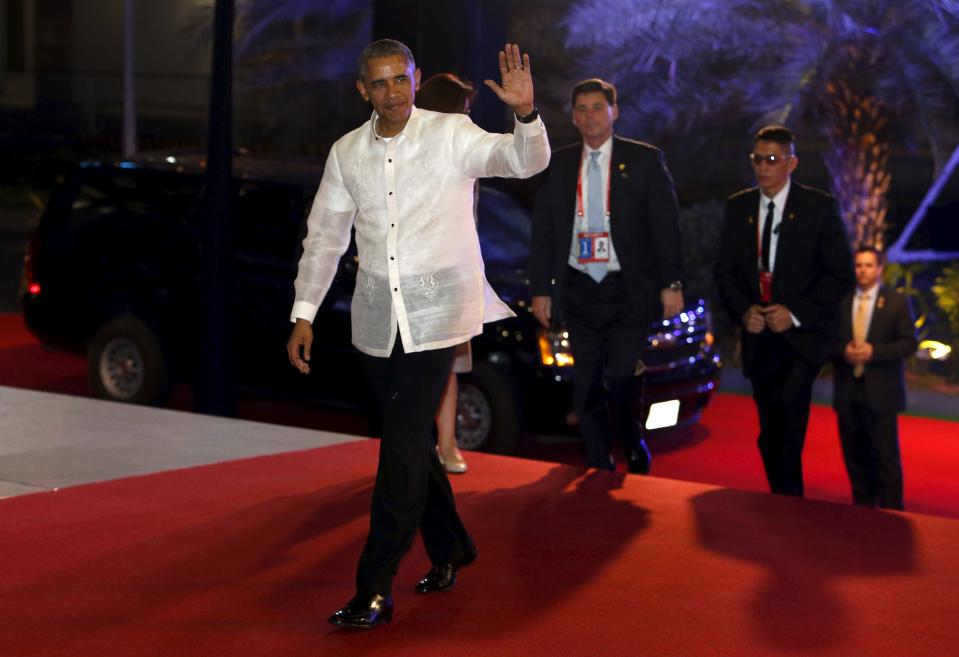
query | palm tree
(867,72)
(295,66)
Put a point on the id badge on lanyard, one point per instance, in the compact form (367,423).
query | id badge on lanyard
(766,286)
(592,247)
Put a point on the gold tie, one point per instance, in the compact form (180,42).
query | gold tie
(859,328)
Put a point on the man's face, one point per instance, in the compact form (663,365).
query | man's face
(593,116)
(390,84)
(775,164)
(868,270)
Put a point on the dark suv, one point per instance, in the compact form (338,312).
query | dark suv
(112,272)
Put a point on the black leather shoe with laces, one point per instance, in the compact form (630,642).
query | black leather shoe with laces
(364,611)
(639,460)
(442,577)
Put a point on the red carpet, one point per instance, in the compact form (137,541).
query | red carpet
(720,450)
(247,558)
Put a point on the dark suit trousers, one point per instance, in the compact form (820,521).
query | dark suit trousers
(782,387)
(870,447)
(608,338)
(411,490)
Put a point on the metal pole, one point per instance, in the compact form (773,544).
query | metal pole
(129,98)
(215,386)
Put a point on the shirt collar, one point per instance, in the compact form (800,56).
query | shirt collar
(410,130)
(779,199)
(605,149)
(872,292)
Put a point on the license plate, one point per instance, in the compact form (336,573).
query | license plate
(663,414)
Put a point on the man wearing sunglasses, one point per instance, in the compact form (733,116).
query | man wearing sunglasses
(783,266)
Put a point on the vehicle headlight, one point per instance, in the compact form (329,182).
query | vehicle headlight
(689,326)
(554,348)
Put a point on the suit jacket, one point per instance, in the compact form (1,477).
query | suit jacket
(813,268)
(644,224)
(892,334)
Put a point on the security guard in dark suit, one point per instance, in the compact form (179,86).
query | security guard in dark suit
(876,332)
(606,261)
(782,268)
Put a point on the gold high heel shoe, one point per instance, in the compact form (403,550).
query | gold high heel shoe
(455,464)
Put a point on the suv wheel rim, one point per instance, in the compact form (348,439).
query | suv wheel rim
(121,368)
(474,416)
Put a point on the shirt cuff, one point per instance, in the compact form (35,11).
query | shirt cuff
(796,322)
(303,310)
(532,128)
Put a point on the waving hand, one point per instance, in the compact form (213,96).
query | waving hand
(516,86)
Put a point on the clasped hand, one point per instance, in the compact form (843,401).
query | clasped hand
(858,354)
(775,317)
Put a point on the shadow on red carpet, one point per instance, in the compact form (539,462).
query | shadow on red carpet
(249,557)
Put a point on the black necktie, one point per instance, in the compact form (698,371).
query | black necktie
(767,234)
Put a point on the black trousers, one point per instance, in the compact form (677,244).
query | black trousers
(411,491)
(607,339)
(782,388)
(870,448)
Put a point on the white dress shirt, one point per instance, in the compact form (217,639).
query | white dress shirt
(873,293)
(581,223)
(780,200)
(780,204)
(410,199)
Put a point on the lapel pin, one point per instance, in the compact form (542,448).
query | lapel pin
(880,302)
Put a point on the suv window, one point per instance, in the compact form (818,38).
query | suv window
(269,218)
(504,229)
(95,195)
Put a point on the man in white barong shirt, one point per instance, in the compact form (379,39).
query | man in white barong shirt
(404,180)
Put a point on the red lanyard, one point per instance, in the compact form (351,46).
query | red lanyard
(579,183)
(759,245)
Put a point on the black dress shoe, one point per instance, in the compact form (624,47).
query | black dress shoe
(364,611)
(442,577)
(639,460)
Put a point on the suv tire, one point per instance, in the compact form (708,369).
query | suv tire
(487,413)
(126,363)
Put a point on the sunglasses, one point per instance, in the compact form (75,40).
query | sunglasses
(771,160)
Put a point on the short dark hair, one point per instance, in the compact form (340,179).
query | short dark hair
(445,92)
(867,248)
(594,84)
(779,134)
(380,49)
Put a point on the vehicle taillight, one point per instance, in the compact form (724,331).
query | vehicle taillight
(29,283)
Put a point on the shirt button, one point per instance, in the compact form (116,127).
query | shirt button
(395,289)
(392,258)
(391,193)
(392,225)
(390,160)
